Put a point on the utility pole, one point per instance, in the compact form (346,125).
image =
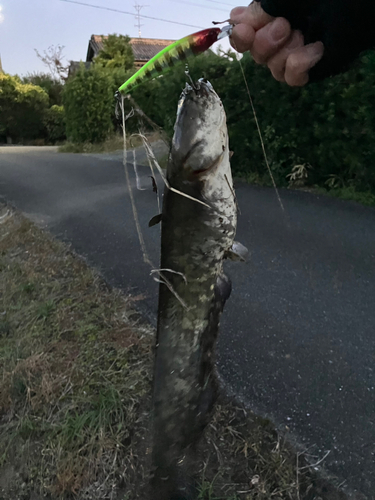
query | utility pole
(138,16)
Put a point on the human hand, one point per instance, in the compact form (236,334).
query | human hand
(271,41)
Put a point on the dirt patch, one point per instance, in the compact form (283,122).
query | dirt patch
(75,392)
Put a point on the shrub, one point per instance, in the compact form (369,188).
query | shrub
(88,102)
(54,121)
(53,87)
(22,109)
(329,125)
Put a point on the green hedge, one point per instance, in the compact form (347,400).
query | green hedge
(324,134)
(329,127)
(22,109)
(88,102)
(54,121)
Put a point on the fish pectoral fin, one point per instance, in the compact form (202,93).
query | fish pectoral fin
(237,253)
(155,220)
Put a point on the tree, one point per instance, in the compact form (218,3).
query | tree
(22,108)
(116,53)
(53,87)
(53,58)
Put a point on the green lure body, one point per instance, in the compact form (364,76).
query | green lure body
(167,58)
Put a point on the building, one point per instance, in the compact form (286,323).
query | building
(144,49)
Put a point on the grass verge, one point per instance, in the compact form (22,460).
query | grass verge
(348,193)
(75,385)
(113,143)
(366,198)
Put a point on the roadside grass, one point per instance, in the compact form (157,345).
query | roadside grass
(75,370)
(347,193)
(113,143)
(75,392)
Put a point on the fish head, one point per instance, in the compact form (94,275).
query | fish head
(200,141)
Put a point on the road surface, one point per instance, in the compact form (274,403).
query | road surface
(297,338)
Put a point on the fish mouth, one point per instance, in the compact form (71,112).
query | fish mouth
(201,88)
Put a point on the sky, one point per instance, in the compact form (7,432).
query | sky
(26,25)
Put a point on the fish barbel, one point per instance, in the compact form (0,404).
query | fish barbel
(195,239)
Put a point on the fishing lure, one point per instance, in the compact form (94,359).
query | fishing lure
(191,45)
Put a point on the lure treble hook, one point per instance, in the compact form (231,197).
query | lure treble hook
(195,86)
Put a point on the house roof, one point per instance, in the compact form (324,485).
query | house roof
(143,48)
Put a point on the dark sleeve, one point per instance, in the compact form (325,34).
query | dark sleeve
(346,28)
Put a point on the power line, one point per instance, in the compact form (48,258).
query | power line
(198,5)
(130,13)
(221,3)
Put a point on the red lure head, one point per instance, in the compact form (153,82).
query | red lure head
(203,40)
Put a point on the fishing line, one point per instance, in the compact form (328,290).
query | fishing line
(146,258)
(142,243)
(233,194)
(137,179)
(168,186)
(143,115)
(259,132)
(152,172)
(170,271)
(150,155)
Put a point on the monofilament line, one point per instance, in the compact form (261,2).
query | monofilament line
(146,258)
(151,155)
(135,213)
(260,135)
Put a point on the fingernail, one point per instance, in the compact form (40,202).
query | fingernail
(279,30)
(315,50)
(237,13)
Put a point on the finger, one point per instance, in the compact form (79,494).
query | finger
(242,37)
(300,61)
(253,16)
(277,63)
(236,14)
(270,39)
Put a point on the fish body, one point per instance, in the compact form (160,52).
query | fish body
(195,237)
(191,45)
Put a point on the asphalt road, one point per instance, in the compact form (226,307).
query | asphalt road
(297,338)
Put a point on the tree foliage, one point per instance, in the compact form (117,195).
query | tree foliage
(88,101)
(53,87)
(22,108)
(116,53)
(54,121)
(329,127)
(320,135)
